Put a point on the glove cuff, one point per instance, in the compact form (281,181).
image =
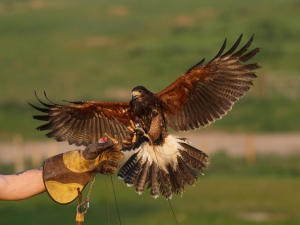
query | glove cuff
(63,176)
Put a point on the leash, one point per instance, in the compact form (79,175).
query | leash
(85,204)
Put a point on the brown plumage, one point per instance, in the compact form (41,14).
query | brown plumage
(162,162)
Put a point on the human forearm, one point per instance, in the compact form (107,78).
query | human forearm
(61,172)
(21,185)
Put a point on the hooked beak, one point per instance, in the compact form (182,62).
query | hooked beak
(135,94)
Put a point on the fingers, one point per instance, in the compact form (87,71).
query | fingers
(108,167)
(110,162)
(115,155)
(94,149)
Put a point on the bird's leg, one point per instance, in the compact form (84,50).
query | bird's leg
(156,128)
(141,133)
(133,133)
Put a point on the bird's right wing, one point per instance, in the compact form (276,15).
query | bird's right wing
(206,92)
(84,122)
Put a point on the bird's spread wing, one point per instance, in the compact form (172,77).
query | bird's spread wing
(82,123)
(205,93)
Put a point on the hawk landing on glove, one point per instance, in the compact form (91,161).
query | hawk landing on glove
(162,162)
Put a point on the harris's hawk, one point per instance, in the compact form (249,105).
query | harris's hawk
(162,162)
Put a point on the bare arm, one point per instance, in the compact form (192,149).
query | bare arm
(21,185)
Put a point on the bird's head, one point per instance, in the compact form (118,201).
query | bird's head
(139,92)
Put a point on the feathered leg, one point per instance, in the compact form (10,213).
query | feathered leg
(142,178)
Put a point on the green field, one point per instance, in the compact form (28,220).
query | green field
(100,50)
(91,50)
(214,200)
(230,192)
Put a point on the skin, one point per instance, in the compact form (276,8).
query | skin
(21,185)
(29,183)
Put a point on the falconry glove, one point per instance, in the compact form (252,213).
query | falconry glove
(67,173)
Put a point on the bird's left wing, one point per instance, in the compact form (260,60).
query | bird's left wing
(205,93)
(84,122)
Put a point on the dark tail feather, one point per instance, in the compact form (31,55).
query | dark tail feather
(176,180)
(193,157)
(164,184)
(189,175)
(195,153)
(164,176)
(154,181)
(130,178)
(192,162)
(128,166)
(142,178)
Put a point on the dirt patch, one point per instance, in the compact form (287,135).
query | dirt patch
(240,145)
(261,216)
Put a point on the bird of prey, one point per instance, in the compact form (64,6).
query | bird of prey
(162,162)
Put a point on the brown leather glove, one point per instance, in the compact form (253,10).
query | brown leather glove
(63,174)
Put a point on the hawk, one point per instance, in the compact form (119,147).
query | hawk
(162,162)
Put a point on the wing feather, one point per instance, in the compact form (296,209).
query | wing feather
(205,93)
(82,123)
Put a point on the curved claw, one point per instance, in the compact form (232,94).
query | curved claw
(133,132)
(114,140)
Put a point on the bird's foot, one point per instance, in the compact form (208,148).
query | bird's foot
(133,133)
(130,135)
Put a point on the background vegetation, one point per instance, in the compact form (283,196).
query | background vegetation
(230,192)
(100,50)
(91,50)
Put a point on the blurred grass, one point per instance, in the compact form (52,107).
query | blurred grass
(91,50)
(100,50)
(262,115)
(214,200)
(264,165)
(79,49)
(230,192)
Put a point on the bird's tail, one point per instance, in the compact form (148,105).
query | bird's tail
(164,168)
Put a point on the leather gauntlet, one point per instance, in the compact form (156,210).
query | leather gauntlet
(63,174)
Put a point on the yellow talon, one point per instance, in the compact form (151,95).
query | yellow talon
(130,129)
(125,142)
(114,140)
(132,124)
(134,138)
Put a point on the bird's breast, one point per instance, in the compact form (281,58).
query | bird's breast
(144,110)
